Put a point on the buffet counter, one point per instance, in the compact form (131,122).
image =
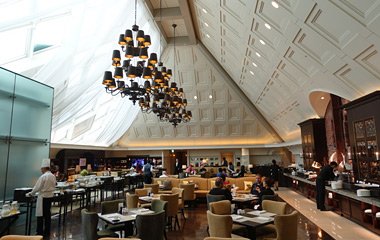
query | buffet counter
(361,210)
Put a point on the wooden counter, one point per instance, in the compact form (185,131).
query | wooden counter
(343,202)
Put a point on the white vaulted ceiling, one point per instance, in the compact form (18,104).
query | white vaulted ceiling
(265,68)
(278,57)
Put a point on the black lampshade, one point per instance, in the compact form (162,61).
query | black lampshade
(147,41)
(153,58)
(129,52)
(158,77)
(128,36)
(143,53)
(107,78)
(118,73)
(140,36)
(116,55)
(169,72)
(147,73)
(116,63)
(134,85)
(147,86)
(112,84)
(122,41)
(131,72)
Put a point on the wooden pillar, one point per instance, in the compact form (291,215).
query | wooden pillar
(338,126)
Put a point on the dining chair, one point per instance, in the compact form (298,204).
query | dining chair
(276,207)
(90,226)
(112,206)
(132,200)
(154,187)
(219,225)
(172,209)
(181,204)
(140,192)
(151,226)
(223,207)
(188,195)
(286,226)
(213,198)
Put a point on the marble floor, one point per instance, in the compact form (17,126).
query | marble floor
(333,224)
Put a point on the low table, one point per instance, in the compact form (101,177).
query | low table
(117,218)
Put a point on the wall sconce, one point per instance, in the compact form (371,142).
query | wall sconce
(377,155)
(183,167)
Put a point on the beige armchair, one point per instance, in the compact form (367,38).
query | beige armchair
(188,195)
(155,187)
(219,225)
(224,208)
(286,226)
(181,204)
(276,207)
(172,209)
(220,238)
(132,200)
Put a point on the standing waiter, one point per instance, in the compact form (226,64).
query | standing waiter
(326,174)
(44,188)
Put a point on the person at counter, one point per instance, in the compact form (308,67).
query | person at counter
(326,174)
(44,187)
(220,190)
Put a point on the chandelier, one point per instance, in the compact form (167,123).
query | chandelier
(168,103)
(149,79)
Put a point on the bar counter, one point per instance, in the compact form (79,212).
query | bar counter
(342,201)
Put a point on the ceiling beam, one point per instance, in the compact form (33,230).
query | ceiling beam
(167,14)
(232,84)
(186,14)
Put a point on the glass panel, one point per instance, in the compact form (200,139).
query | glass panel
(359,129)
(13,44)
(370,128)
(26,156)
(6,91)
(32,109)
(3,167)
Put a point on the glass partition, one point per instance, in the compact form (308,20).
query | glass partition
(25,113)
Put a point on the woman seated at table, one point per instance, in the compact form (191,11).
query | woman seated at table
(219,189)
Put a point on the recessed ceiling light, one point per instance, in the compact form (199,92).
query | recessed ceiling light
(206,24)
(207,35)
(258,54)
(251,72)
(195,97)
(210,96)
(274,4)
(204,10)
(262,42)
(322,98)
(254,64)
(267,26)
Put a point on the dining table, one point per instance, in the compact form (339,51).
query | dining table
(253,219)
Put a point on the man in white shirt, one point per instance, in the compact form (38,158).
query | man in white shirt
(44,189)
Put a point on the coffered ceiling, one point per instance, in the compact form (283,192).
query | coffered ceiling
(277,57)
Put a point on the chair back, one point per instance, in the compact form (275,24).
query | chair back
(89,225)
(286,226)
(219,225)
(151,226)
(159,205)
(132,200)
(154,187)
(213,198)
(188,189)
(278,208)
(221,207)
(270,197)
(140,192)
(21,237)
(180,192)
(111,206)
(172,207)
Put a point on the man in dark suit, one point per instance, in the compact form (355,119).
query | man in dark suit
(326,174)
